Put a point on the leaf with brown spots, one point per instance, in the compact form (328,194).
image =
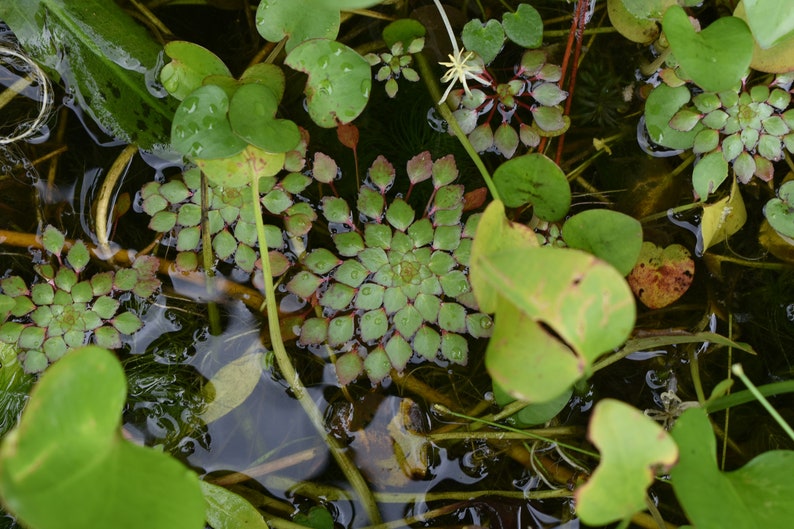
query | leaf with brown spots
(661,276)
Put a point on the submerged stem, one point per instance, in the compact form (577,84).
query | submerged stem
(289,373)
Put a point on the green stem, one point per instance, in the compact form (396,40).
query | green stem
(435,92)
(739,372)
(447,411)
(207,257)
(289,373)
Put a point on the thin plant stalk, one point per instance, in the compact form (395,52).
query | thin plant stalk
(739,372)
(118,168)
(289,373)
(207,257)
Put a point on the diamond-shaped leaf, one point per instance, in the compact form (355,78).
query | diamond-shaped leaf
(373,325)
(105,307)
(78,256)
(452,317)
(419,167)
(399,351)
(349,243)
(304,284)
(127,323)
(348,367)
(351,273)
(373,259)
(455,348)
(381,173)
(340,330)
(377,236)
(377,364)
(427,341)
(407,320)
(336,209)
(314,331)
(400,214)
(53,240)
(370,203)
(338,296)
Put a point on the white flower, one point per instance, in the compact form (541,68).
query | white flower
(461,69)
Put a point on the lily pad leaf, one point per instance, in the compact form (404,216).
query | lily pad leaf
(495,233)
(190,64)
(252,113)
(755,495)
(614,237)
(299,20)
(534,179)
(716,58)
(55,474)
(484,39)
(617,488)
(201,128)
(524,27)
(339,80)
(577,306)
(661,276)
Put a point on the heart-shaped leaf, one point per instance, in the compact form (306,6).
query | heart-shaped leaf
(339,80)
(755,495)
(534,179)
(661,276)
(617,488)
(252,113)
(300,20)
(485,39)
(614,237)
(716,58)
(201,128)
(662,104)
(190,64)
(558,311)
(67,466)
(524,27)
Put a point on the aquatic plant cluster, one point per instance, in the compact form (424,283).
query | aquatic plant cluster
(398,284)
(61,310)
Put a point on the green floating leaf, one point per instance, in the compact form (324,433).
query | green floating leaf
(53,240)
(300,20)
(617,488)
(190,64)
(201,128)
(524,27)
(252,113)
(534,179)
(755,495)
(662,104)
(55,474)
(771,21)
(231,385)
(227,510)
(550,329)
(495,233)
(710,171)
(780,210)
(404,30)
(242,168)
(339,79)
(609,235)
(532,414)
(348,367)
(716,58)
(484,39)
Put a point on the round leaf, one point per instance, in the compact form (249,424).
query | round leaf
(614,237)
(339,80)
(534,179)
(252,113)
(200,128)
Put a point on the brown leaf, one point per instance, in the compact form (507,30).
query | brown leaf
(661,276)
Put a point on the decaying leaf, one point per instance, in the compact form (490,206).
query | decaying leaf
(661,276)
(723,218)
